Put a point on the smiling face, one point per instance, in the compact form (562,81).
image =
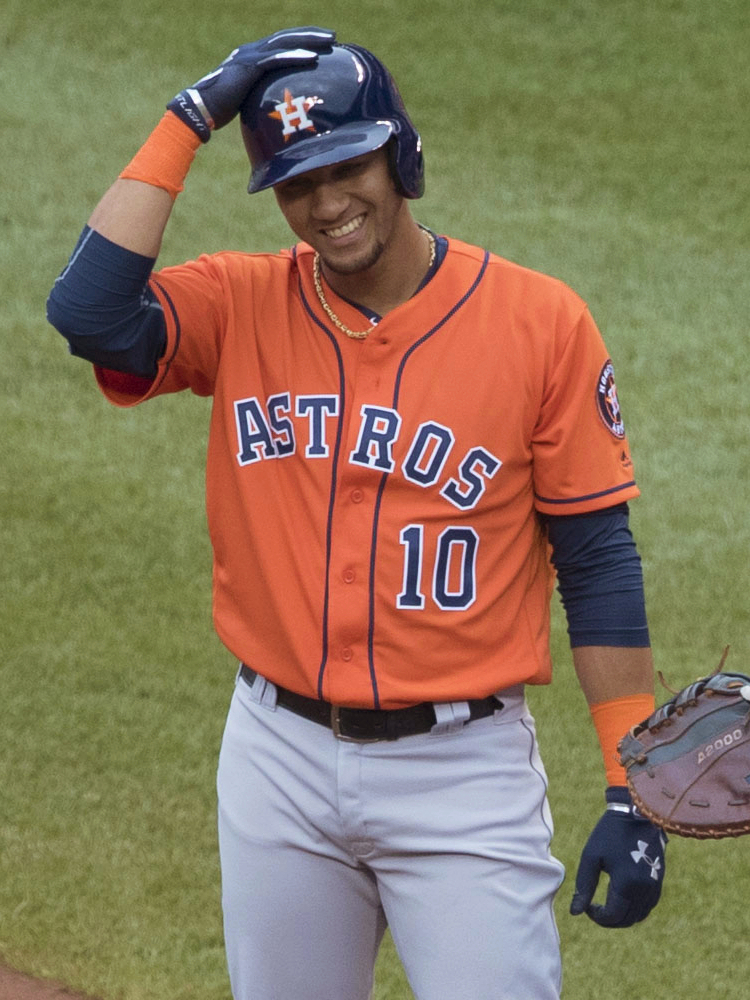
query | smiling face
(350,212)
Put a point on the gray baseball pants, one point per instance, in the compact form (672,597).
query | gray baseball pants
(444,837)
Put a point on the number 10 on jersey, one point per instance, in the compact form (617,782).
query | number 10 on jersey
(453,574)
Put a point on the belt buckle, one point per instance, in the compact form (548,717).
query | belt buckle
(336,727)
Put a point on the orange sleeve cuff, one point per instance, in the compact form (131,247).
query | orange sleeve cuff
(165,157)
(612,719)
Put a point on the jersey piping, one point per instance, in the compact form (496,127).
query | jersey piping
(588,496)
(164,371)
(332,498)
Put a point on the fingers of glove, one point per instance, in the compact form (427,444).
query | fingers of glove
(309,37)
(625,905)
(214,100)
(587,880)
(579,903)
(617,911)
(311,40)
(283,58)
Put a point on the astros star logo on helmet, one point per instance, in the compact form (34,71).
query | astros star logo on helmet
(292,113)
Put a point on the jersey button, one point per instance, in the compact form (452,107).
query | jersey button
(346,653)
(349,575)
(357,496)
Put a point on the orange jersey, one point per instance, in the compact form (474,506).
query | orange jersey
(373,504)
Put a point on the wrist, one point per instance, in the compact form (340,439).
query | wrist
(612,719)
(618,799)
(191,110)
(166,156)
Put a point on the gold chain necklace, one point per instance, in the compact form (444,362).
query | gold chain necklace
(356,334)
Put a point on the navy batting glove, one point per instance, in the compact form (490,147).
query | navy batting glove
(215,99)
(630,849)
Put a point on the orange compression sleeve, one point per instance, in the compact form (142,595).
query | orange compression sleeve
(165,157)
(612,719)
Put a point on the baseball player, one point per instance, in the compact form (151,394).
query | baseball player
(411,438)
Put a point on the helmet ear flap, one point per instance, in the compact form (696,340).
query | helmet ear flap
(405,161)
(392,152)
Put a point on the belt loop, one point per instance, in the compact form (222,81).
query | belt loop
(263,692)
(336,722)
(450,717)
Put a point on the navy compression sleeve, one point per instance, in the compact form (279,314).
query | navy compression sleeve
(600,578)
(103,306)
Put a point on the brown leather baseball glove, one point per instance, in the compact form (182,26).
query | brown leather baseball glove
(688,764)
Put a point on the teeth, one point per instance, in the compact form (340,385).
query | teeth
(345,230)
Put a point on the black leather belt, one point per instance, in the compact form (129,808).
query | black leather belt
(368,725)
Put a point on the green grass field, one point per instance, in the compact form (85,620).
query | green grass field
(602,141)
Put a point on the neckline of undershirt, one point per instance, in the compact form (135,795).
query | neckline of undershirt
(441,248)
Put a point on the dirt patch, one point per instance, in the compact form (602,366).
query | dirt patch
(16,986)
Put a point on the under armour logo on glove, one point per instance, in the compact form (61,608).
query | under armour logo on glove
(640,855)
(628,848)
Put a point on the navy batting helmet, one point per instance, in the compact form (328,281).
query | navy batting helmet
(345,105)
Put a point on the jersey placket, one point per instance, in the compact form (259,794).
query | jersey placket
(372,427)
